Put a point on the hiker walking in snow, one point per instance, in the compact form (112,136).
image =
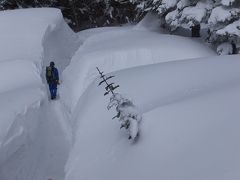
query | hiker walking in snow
(52,79)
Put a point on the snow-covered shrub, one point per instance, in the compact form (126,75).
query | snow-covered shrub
(196,14)
(224,24)
(166,5)
(172,19)
(127,113)
(224,49)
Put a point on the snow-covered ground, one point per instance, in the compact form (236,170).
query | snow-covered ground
(189,105)
(30,39)
(120,48)
(189,130)
(189,98)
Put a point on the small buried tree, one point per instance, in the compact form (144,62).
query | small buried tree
(127,113)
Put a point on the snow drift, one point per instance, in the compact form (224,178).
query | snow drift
(30,38)
(22,32)
(123,48)
(189,131)
(185,106)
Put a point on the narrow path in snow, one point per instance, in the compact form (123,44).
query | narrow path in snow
(53,145)
(54,133)
(43,156)
(53,140)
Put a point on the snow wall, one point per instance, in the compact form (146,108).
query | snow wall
(30,38)
(190,128)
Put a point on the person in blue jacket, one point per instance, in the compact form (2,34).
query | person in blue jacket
(52,79)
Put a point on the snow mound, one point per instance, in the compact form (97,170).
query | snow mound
(22,32)
(120,49)
(189,130)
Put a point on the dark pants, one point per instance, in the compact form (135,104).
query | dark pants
(53,90)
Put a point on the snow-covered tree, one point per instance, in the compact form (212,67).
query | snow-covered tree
(127,113)
(188,14)
(220,17)
(82,14)
(179,13)
(224,24)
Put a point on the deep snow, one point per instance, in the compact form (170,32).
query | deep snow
(34,138)
(189,129)
(121,48)
(189,98)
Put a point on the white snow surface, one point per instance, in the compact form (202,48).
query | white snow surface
(119,49)
(31,38)
(150,22)
(22,32)
(190,109)
(189,130)
(189,98)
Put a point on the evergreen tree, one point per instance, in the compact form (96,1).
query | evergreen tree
(82,14)
(224,25)
(189,13)
(127,113)
(16,4)
(220,17)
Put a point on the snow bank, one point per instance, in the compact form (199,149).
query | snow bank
(59,44)
(21,53)
(120,49)
(17,74)
(189,131)
(29,39)
(22,32)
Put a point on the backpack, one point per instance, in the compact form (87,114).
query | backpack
(49,74)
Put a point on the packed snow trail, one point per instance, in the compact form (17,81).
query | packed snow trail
(34,139)
(46,155)
(53,144)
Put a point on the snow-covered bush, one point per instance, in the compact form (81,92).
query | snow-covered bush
(224,49)
(224,24)
(127,113)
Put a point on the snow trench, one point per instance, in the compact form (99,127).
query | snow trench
(36,143)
